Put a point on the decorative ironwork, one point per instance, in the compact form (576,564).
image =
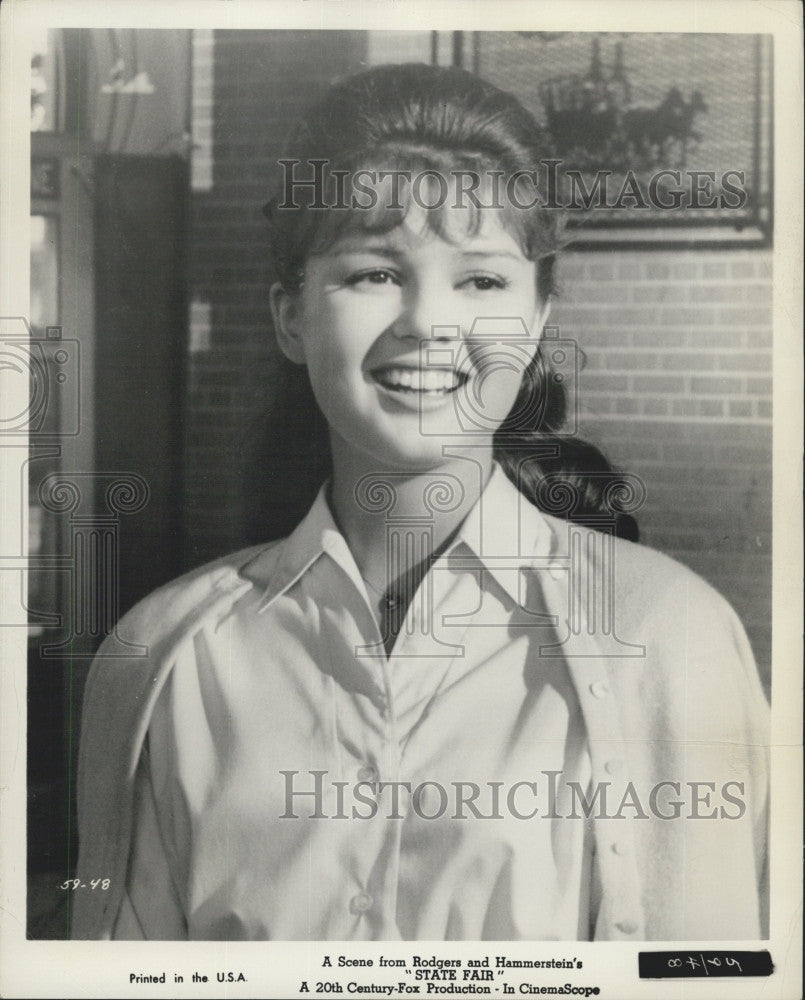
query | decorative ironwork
(649,137)
(595,123)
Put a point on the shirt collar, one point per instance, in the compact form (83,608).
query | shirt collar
(503,532)
(314,536)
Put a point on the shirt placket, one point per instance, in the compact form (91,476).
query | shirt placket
(417,647)
(367,747)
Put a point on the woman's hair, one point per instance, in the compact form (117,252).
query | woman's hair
(422,118)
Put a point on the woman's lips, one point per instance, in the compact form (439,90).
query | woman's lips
(429,382)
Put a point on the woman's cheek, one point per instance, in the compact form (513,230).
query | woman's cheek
(498,375)
(498,393)
(353,326)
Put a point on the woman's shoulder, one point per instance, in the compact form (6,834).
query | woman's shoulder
(690,635)
(666,579)
(172,608)
(643,579)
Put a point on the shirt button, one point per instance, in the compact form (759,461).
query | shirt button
(368,773)
(613,766)
(626,926)
(390,601)
(361,902)
(599,689)
(619,848)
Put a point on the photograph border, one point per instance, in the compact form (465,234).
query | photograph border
(51,969)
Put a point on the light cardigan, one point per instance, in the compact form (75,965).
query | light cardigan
(668,690)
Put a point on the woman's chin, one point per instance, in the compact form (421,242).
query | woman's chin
(414,452)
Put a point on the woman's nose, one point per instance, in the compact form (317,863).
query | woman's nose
(428,313)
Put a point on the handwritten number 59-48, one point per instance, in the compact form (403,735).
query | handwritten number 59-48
(96,883)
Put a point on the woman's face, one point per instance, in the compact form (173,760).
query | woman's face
(414,341)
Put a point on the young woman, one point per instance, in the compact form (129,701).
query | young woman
(435,710)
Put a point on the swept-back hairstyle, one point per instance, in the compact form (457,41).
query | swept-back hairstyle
(420,118)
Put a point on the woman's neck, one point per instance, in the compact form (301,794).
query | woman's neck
(369,503)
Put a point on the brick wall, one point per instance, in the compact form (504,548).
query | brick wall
(676,388)
(257,92)
(677,382)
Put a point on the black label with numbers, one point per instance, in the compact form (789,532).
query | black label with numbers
(684,964)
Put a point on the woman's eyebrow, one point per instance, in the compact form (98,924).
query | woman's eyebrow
(381,249)
(393,253)
(492,252)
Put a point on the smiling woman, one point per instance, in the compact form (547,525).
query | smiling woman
(429,625)
(386,326)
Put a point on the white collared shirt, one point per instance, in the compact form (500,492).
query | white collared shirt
(293,693)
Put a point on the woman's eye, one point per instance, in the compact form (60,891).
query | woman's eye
(375,276)
(485,282)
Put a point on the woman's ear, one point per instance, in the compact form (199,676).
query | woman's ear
(285,308)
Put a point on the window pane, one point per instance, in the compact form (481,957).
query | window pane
(44,272)
(46,62)
(42,583)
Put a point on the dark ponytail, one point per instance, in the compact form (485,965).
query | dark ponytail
(559,473)
(419,117)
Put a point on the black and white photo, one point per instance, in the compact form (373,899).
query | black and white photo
(400,554)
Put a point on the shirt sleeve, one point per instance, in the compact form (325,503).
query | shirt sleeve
(151,908)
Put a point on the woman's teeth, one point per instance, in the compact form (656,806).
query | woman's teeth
(414,380)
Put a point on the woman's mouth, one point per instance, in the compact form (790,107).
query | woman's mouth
(429,382)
